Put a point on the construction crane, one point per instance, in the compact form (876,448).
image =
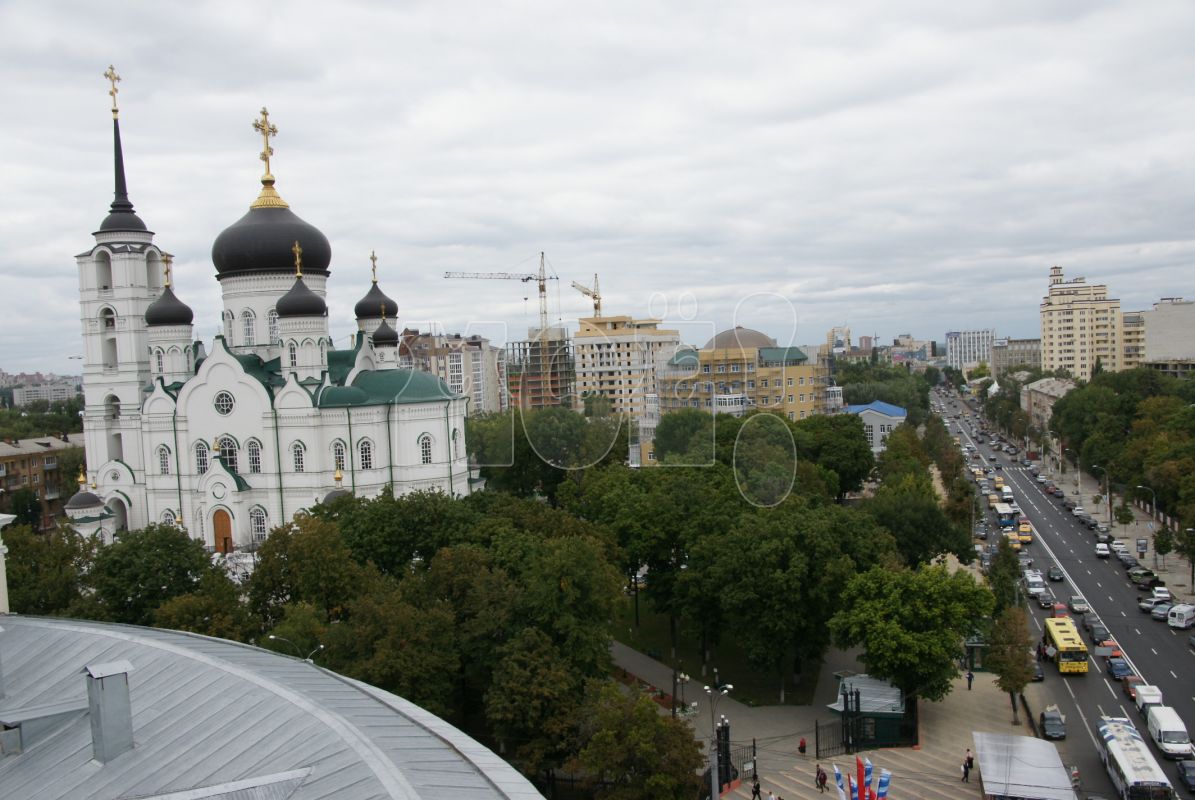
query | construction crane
(540,278)
(594,294)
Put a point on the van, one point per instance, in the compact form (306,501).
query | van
(1181,616)
(1147,697)
(1168,732)
(1006,493)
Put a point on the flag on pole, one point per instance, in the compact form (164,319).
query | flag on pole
(867,777)
(885,778)
(839,783)
(860,791)
(853,787)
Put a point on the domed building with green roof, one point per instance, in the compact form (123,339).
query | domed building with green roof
(234,439)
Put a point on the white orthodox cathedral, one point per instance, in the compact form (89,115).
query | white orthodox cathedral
(271,421)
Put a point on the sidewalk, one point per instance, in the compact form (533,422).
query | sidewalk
(931,771)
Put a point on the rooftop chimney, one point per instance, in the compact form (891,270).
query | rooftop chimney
(109,708)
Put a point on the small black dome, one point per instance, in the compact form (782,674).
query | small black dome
(83,499)
(301,302)
(121,220)
(336,494)
(261,241)
(168,310)
(370,306)
(385,336)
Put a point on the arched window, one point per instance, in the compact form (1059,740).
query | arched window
(247,327)
(296,452)
(254,449)
(338,455)
(228,328)
(292,354)
(201,453)
(456,444)
(160,361)
(163,460)
(365,453)
(425,449)
(228,453)
(168,518)
(272,321)
(257,523)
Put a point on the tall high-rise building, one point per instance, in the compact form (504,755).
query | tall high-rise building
(468,364)
(616,360)
(966,349)
(540,371)
(1080,326)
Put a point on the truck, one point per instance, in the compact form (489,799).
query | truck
(1147,697)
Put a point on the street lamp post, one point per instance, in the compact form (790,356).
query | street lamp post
(1107,491)
(1153,505)
(715,693)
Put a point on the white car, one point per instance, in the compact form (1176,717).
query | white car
(1078,511)
(1102,551)
(1119,547)
(1162,594)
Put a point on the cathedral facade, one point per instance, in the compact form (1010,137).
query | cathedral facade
(232,440)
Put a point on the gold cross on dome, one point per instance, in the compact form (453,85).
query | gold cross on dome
(167,260)
(113,79)
(298,251)
(373,258)
(266,129)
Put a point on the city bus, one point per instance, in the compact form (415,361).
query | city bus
(1025,530)
(1133,769)
(1006,514)
(1070,653)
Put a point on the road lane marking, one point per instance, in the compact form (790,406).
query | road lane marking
(1110,688)
(1136,631)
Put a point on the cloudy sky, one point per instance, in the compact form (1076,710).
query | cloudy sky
(897,168)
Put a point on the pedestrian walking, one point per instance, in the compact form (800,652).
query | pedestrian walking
(801,746)
(970,759)
(820,779)
(970,677)
(966,773)
(771,795)
(755,795)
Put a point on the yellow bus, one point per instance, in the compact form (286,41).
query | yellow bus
(1025,532)
(993,499)
(1070,653)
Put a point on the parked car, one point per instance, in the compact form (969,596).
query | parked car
(1052,723)
(1102,551)
(1069,505)
(1118,669)
(1104,537)
(1054,573)
(1147,605)
(1118,547)
(1127,561)
(1091,522)
(1079,511)
(1059,492)
(1078,605)
(1086,519)
(1103,528)
(1161,610)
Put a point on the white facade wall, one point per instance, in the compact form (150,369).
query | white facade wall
(965,349)
(1170,331)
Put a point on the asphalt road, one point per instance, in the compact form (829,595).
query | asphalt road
(1155,651)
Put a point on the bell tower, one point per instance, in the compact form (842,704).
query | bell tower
(119,277)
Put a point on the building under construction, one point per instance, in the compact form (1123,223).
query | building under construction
(540,371)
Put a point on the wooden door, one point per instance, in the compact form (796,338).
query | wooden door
(222,525)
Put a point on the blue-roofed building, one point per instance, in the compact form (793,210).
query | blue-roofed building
(879,420)
(97,711)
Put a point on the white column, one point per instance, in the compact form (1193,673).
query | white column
(5,520)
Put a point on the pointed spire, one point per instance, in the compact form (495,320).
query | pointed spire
(121,216)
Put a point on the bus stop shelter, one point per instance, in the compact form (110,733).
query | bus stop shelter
(1020,768)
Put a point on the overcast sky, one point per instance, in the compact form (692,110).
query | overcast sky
(913,167)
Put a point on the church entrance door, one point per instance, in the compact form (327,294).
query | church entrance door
(222,525)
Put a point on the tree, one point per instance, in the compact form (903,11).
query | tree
(1124,514)
(679,430)
(1003,576)
(1008,654)
(25,505)
(634,750)
(143,569)
(911,624)
(909,509)
(45,570)
(1163,543)
(214,609)
(837,442)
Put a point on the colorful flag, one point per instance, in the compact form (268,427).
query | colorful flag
(885,778)
(868,792)
(838,781)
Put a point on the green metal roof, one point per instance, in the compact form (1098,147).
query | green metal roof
(266,372)
(341,362)
(782,355)
(387,387)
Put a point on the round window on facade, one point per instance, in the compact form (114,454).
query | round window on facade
(224,403)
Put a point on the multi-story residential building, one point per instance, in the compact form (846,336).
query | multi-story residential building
(1038,399)
(1170,337)
(540,371)
(1080,326)
(739,370)
(966,349)
(1008,353)
(616,359)
(1132,339)
(33,464)
(468,364)
(48,392)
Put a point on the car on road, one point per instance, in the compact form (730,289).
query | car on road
(1103,528)
(1186,774)
(1161,610)
(1046,599)
(1052,723)
(1079,511)
(1069,505)
(1039,674)
(1118,547)
(1090,621)
(1104,537)
(1078,605)
(1102,551)
(1059,492)
(1126,560)
(1054,573)
(1147,605)
(1118,669)
(1162,593)
(1091,522)
(1085,519)
(1129,685)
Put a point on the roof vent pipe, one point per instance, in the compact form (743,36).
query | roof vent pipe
(109,708)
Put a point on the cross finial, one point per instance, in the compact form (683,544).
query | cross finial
(167,260)
(266,129)
(113,79)
(298,251)
(373,258)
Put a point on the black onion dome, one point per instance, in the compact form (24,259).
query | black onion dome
(83,499)
(385,336)
(335,495)
(301,302)
(371,305)
(168,310)
(261,241)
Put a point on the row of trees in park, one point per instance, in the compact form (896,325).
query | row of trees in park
(41,418)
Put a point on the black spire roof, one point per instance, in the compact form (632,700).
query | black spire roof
(168,310)
(121,216)
(301,302)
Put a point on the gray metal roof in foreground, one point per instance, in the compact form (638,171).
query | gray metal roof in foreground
(217,719)
(1021,767)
